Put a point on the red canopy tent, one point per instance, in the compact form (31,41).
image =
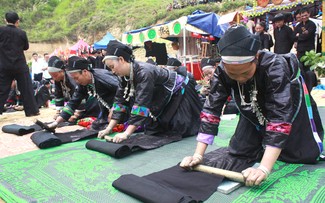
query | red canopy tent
(79,47)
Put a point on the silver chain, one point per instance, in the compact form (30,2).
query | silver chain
(92,92)
(254,104)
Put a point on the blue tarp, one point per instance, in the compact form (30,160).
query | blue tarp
(208,22)
(102,44)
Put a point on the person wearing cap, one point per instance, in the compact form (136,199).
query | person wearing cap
(92,84)
(173,64)
(162,100)
(208,66)
(65,87)
(283,35)
(274,103)
(13,65)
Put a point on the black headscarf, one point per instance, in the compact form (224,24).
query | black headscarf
(76,64)
(238,41)
(117,49)
(55,64)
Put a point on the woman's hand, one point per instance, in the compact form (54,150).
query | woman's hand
(102,133)
(255,176)
(120,137)
(191,161)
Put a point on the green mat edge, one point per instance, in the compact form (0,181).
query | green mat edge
(8,196)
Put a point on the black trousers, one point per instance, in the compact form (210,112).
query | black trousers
(38,77)
(24,83)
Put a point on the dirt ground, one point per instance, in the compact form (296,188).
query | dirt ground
(12,144)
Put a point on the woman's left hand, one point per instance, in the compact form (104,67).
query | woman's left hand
(253,176)
(120,137)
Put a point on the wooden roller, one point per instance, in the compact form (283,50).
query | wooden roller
(235,176)
(108,138)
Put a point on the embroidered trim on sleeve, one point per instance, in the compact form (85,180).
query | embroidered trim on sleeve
(119,107)
(284,128)
(140,110)
(209,118)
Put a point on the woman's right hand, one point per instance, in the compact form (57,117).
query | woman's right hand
(102,133)
(191,161)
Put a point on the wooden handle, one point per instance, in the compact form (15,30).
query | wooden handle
(108,138)
(235,176)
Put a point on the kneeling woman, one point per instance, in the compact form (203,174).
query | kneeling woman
(164,101)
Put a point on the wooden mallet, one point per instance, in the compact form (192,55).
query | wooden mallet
(235,176)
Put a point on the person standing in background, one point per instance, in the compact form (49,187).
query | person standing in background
(13,65)
(37,72)
(283,35)
(305,34)
(265,38)
(45,64)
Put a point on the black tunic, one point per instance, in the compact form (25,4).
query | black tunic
(305,42)
(165,101)
(284,39)
(281,101)
(13,42)
(105,85)
(64,90)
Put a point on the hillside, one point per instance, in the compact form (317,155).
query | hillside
(67,20)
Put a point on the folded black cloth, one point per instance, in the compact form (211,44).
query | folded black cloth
(134,143)
(148,191)
(174,181)
(76,135)
(147,142)
(20,129)
(170,185)
(109,148)
(44,139)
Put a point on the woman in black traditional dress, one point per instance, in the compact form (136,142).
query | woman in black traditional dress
(278,117)
(164,101)
(97,86)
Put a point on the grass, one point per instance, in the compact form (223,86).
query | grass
(55,20)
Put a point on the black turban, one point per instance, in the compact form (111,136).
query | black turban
(55,64)
(76,63)
(208,63)
(117,49)
(238,41)
(173,62)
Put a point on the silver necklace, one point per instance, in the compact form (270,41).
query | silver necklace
(128,94)
(65,88)
(253,102)
(92,92)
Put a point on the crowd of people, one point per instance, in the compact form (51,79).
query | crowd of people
(275,122)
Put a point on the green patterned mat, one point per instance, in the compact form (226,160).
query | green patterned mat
(71,173)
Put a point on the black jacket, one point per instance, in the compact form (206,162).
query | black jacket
(13,42)
(280,98)
(153,90)
(284,39)
(105,84)
(305,42)
(64,90)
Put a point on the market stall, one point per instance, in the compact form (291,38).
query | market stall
(195,34)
